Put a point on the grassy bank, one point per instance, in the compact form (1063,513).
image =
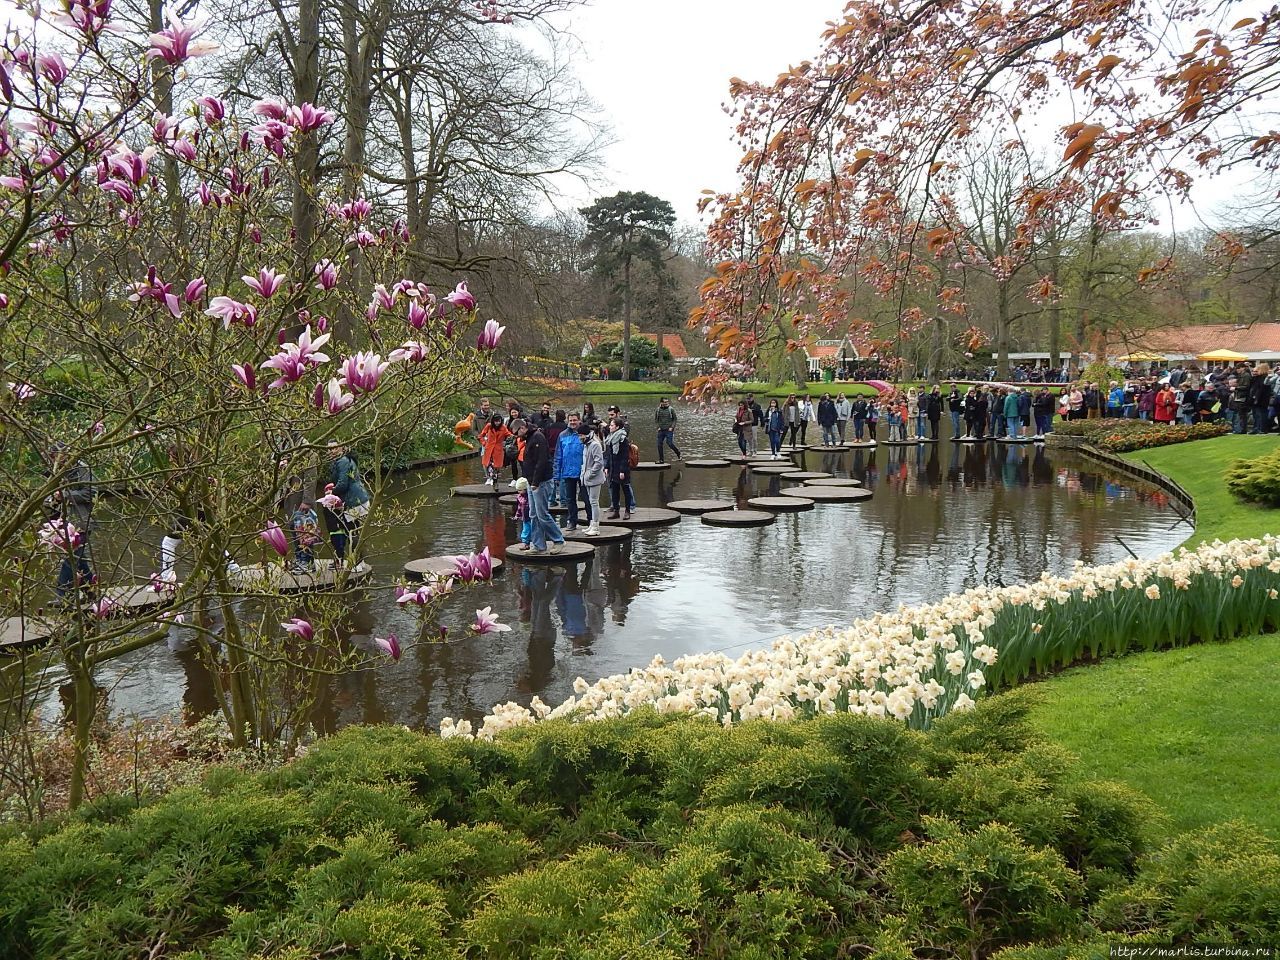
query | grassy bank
(1199,467)
(1178,725)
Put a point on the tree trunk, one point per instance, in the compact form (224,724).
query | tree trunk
(306,89)
(626,318)
(84,704)
(1002,331)
(172,181)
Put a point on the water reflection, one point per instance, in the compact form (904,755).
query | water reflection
(944,517)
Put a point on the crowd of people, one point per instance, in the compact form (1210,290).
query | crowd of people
(564,458)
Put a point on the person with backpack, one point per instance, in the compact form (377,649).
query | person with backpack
(617,461)
(345,484)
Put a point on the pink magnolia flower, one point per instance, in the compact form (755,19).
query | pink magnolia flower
(177,42)
(183,149)
(124,163)
(265,284)
(213,109)
(273,134)
(355,211)
(417,315)
(390,645)
(361,373)
(4,301)
(274,537)
(474,566)
(206,195)
(88,16)
(244,372)
(232,311)
(22,391)
(326,275)
(332,399)
(487,622)
(300,628)
(103,608)
(322,323)
(13,183)
(272,108)
(295,359)
(153,288)
(330,501)
(305,117)
(363,238)
(462,298)
(59,536)
(426,592)
(52,68)
(412,351)
(195,290)
(164,129)
(490,335)
(162,583)
(119,187)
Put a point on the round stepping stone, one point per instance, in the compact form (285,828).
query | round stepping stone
(781,504)
(805,475)
(647,517)
(651,465)
(700,506)
(708,463)
(606,534)
(1015,440)
(968,440)
(900,443)
(774,469)
(482,490)
(833,482)
(439,567)
(739,518)
(573,551)
(828,448)
(827,494)
(862,444)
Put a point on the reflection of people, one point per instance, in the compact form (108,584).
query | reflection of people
(572,608)
(540,586)
(620,580)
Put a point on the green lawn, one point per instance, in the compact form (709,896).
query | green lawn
(1197,729)
(1199,466)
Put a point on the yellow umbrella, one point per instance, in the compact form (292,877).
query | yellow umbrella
(1228,356)
(1140,358)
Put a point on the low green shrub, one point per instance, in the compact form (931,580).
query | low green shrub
(1121,435)
(649,835)
(1256,480)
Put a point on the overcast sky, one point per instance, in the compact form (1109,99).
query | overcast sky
(660,71)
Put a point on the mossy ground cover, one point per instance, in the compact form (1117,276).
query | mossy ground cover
(1197,728)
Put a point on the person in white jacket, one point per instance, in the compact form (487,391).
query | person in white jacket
(592,477)
(807,416)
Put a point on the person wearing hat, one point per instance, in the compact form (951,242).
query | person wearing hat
(537,470)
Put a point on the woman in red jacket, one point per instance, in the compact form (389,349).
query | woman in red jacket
(1166,406)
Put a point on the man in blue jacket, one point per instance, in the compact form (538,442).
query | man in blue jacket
(567,468)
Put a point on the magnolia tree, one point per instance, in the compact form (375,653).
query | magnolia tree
(196,381)
(854,162)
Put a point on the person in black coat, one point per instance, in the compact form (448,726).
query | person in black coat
(955,407)
(827,419)
(538,471)
(933,409)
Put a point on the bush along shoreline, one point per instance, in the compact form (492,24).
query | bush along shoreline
(919,663)
(665,837)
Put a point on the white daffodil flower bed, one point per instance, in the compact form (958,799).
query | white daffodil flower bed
(919,663)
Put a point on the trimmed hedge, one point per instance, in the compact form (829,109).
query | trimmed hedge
(656,836)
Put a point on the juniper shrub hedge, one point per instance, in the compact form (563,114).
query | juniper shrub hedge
(647,836)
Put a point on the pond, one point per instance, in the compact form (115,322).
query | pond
(943,517)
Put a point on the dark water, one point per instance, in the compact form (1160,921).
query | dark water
(944,517)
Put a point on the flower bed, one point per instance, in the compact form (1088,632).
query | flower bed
(1123,435)
(919,663)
